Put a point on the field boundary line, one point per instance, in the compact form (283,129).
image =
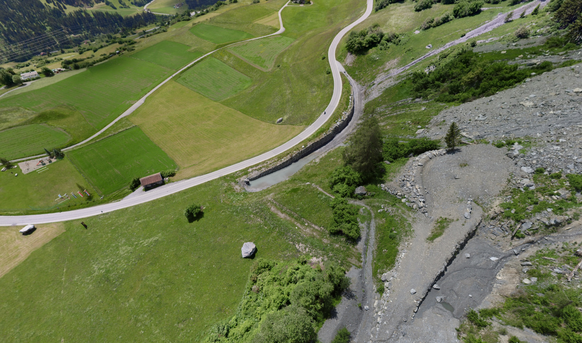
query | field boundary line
(179,186)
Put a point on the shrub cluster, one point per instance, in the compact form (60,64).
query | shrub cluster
(434,22)
(359,43)
(344,180)
(467,77)
(384,3)
(168,173)
(466,9)
(283,302)
(423,5)
(345,219)
(394,149)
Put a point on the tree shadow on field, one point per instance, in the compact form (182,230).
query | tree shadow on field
(192,219)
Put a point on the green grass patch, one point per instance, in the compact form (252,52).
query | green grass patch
(168,54)
(439,228)
(201,135)
(109,167)
(309,203)
(262,52)
(39,190)
(219,35)
(29,140)
(11,116)
(214,79)
(101,93)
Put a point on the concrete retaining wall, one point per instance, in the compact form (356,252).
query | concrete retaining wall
(337,128)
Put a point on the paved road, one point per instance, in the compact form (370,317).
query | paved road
(185,184)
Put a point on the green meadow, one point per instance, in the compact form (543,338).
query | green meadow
(168,54)
(298,87)
(146,274)
(262,52)
(101,93)
(38,190)
(217,34)
(111,163)
(29,140)
(214,79)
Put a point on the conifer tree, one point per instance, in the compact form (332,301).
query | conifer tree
(453,137)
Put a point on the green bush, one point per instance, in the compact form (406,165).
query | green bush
(539,170)
(342,336)
(193,212)
(556,176)
(466,9)
(345,219)
(384,3)
(359,43)
(423,5)
(393,149)
(344,180)
(168,173)
(514,339)
(575,181)
(282,302)
(134,184)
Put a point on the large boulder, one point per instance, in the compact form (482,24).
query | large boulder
(248,249)
(361,191)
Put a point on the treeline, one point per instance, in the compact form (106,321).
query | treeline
(283,302)
(30,27)
(467,77)
(199,4)
(359,43)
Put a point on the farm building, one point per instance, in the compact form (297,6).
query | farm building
(151,181)
(29,75)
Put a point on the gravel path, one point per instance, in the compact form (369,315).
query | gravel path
(484,175)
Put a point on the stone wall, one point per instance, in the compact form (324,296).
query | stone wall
(310,148)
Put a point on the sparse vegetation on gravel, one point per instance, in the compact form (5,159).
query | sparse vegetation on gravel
(439,228)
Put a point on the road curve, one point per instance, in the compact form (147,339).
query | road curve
(142,100)
(176,187)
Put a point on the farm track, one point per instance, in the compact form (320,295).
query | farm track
(185,184)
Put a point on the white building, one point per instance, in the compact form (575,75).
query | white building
(29,75)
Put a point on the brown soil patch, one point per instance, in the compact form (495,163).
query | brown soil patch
(15,248)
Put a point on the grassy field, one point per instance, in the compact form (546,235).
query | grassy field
(167,6)
(29,140)
(168,54)
(16,247)
(217,34)
(262,52)
(214,79)
(145,273)
(402,19)
(101,93)
(245,17)
(10,116)
(45,81)
(299,87)
(111,163)
(38,190)
(202,135)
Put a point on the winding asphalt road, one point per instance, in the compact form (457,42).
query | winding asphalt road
(195,181)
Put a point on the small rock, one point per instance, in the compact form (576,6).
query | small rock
(526,264)
(467,215)
(494,258)
(577,90)
(412,291)
(280,120)
(435,286)
(533,279)
(467,255)
(527,170)
(440,299)
(526,281)
(361,191)
(248,249)
(366,308)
